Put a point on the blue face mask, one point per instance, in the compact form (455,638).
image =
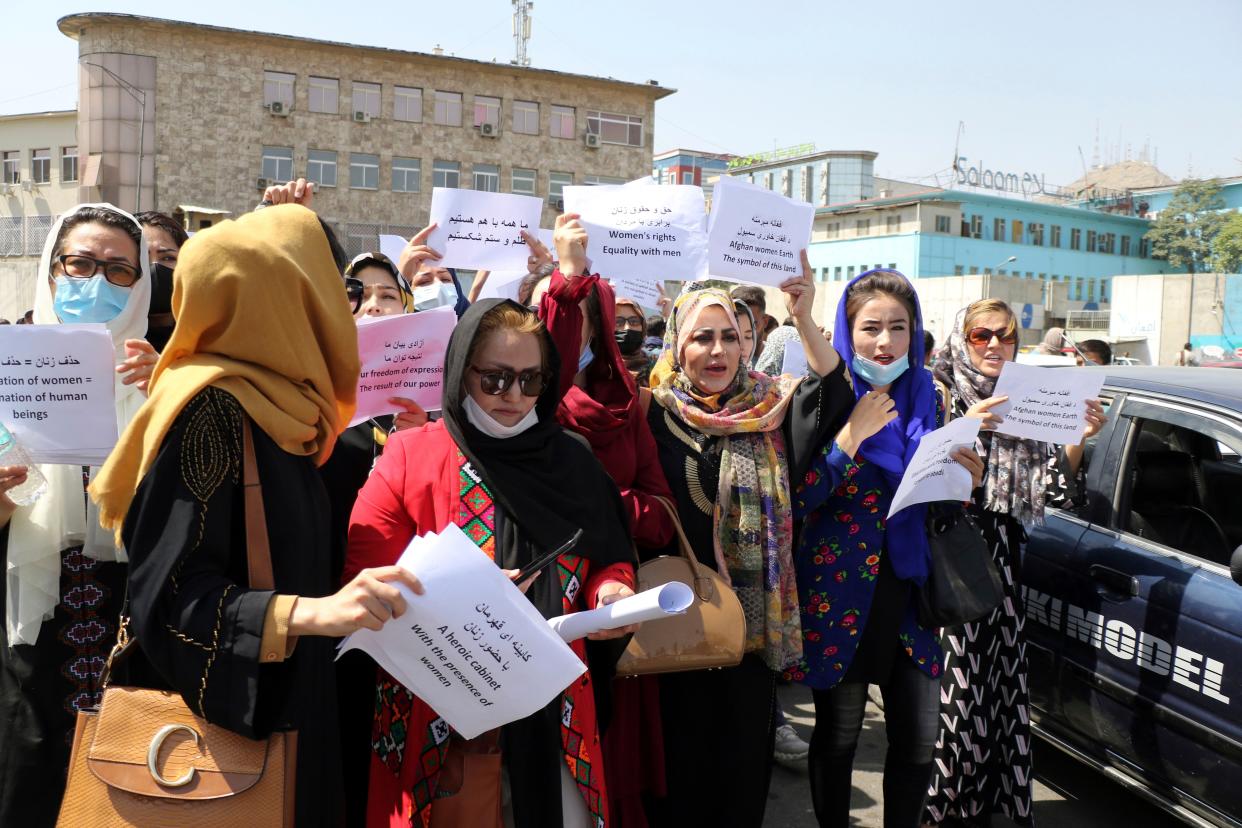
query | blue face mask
(878,375)
(586,357)
(89,300)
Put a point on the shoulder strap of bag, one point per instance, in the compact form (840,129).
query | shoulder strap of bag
(703,585)
(258,552)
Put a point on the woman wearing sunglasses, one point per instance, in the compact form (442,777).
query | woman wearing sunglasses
(501,467)
(66,577)
(983,763)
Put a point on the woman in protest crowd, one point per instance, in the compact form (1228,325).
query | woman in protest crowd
(730,440)
(983,762)
(602,403)
(65,575)
(265,342)
(165,236)
(857,574)
(772,360)
(500,466)
(746,327)
(631,334)
(654,343)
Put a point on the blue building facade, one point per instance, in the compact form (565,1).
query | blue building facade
(684,166)
(1149,201)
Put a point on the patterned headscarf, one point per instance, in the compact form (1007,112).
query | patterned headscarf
(1013,481)
(753,520)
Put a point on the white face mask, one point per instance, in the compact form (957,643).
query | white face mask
(434,295)
(485,423)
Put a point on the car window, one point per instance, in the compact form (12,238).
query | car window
(1182,480)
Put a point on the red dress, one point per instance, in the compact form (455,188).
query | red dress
(421,484)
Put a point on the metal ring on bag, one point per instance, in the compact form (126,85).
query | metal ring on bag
(153,755)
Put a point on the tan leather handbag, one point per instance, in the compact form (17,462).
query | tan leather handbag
(712,633)
(143,759)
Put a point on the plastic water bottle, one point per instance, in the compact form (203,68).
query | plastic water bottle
(12,454)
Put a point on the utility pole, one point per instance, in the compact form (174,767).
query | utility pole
(521,30)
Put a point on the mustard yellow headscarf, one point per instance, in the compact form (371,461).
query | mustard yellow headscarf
(262,314)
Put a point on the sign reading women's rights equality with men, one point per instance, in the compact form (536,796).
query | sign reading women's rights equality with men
(756,235)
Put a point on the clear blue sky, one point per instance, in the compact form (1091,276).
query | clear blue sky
(1031,80)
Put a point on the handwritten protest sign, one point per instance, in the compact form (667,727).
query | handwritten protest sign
(472,646)
(482,230)
(756,235)
(933,474)
(402,356)
(57,391)
(1046,404)
(673,598)
(641,232)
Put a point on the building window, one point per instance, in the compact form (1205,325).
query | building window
(998,229)
(862,227)
(363,171)
(325,95)
(613,128)
(959,271)
(446,174)
(367,98)
(974,270)
(486,178)
(1144,247)
(976,227)
(833,230)
(1015,233)
(602,179)
(1037,235)
(1091,290)
(321,167)
(563,123)
(944,224)
(278,88)
(687,177)
(12,167)
(1043,277)
(1055,236)
(526,117)
(448,108)
(407,175)
(808,183)
(407,104)
(1108,243)
(849,273)
(1104,282)
(987,271)
(1030,275)
(68,163)
(1125,245)
(522,181)
(486,111)
(769,181)
(1090,241)
(557,181)
(278,164)
(892,224)
(1075,238)
(836,274)
(41,166)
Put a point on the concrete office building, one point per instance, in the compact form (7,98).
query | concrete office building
(686,166)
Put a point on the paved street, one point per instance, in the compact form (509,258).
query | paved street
(1067,794)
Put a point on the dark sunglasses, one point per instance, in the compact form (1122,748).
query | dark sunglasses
(84,267)
(635,322)
(982,336)
(353,289)
(495,383)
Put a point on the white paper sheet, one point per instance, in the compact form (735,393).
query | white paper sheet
(644,292)
(480,230)
(472,646)
(650,605)
(502,284)
(1047,404)
(641,232)
(794,362)
(392,247)
(57,391)
(402,356)
(933,474)
(756,235)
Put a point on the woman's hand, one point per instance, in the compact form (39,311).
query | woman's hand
(295,192)
(1096,418)
(367,601)
(664,303)
(416,252)
(570,238)
(610,592)
(10,478)
(413,415)
(800,292)
(512,574)
(539,253)
(140,359)
(972,462)
(872,412)
(982,410)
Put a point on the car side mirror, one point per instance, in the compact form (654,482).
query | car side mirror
(1235,565)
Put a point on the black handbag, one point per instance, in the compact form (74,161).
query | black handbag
(963,583)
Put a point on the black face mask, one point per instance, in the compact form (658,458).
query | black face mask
(629,341)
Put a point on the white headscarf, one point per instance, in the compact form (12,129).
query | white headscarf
(61,518)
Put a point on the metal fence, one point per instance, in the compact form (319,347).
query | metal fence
(24,235)
(364,237)
(1085,320)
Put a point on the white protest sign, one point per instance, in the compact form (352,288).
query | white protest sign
(472,647)
(673,598)
(502,284)
(545,236)
(756,235)
(392,247)
(402,356)
(933,474)
(481,230)
(794,362)
(1046,404)
(645,293)
(643,233)
(57,391)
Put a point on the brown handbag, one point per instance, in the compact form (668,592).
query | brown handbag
(712,633)
(143,759)
(468,791)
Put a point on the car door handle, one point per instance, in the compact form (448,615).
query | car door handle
(1114,579)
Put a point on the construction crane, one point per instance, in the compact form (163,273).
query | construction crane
(521,30)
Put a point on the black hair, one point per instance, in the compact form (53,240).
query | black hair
(526,287)
(655,325)
(98,215)
(881,283)
(166,223)
(1098,347)
(338,253)
(751,295)
(929,341)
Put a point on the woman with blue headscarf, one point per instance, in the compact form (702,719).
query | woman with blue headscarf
(857,573)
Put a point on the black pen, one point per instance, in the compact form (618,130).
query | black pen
(540,563)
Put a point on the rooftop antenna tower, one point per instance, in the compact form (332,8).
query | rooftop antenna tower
(521,30)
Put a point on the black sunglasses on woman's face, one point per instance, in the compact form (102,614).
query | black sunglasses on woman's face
(353,290)
(497,381)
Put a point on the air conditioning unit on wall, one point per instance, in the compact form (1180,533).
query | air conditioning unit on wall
(278,109)
(488,130)
(592,140)
(262,183)
(361,117)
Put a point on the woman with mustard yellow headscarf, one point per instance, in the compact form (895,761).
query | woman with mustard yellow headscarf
(264,337)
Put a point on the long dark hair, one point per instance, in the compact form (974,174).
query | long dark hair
(880,283)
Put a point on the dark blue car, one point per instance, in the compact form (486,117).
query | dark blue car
(1133,614)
